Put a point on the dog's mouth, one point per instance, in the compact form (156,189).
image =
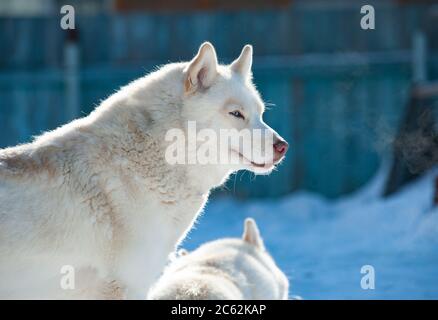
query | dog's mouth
(255,164)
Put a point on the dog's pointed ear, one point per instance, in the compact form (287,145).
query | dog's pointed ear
(182,252)
(202,70)
(242,65)
(251,234)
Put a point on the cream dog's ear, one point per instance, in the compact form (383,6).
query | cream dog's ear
(202,70)
(182,252)
(251,234)
(242,65)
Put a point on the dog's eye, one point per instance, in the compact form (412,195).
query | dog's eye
(237,114)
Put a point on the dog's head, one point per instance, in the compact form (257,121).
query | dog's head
(270,277)
(228,112)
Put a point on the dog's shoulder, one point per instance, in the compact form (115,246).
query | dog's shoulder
(24,161)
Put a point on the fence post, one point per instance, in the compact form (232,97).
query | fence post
(71,75)
(419,57)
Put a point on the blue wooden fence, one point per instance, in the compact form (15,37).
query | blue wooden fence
(339,91)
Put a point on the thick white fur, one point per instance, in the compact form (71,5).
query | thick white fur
(97,194)
(226,269)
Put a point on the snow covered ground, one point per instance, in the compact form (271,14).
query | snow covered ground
(321,244)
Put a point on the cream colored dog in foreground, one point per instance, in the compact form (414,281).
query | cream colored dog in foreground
(225,269)
(96,201)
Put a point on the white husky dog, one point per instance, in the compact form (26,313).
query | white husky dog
(225,269)
(87,208)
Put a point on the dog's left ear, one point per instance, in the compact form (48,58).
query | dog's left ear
(182,252)
(242,65)
(202,70)
(251,234)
